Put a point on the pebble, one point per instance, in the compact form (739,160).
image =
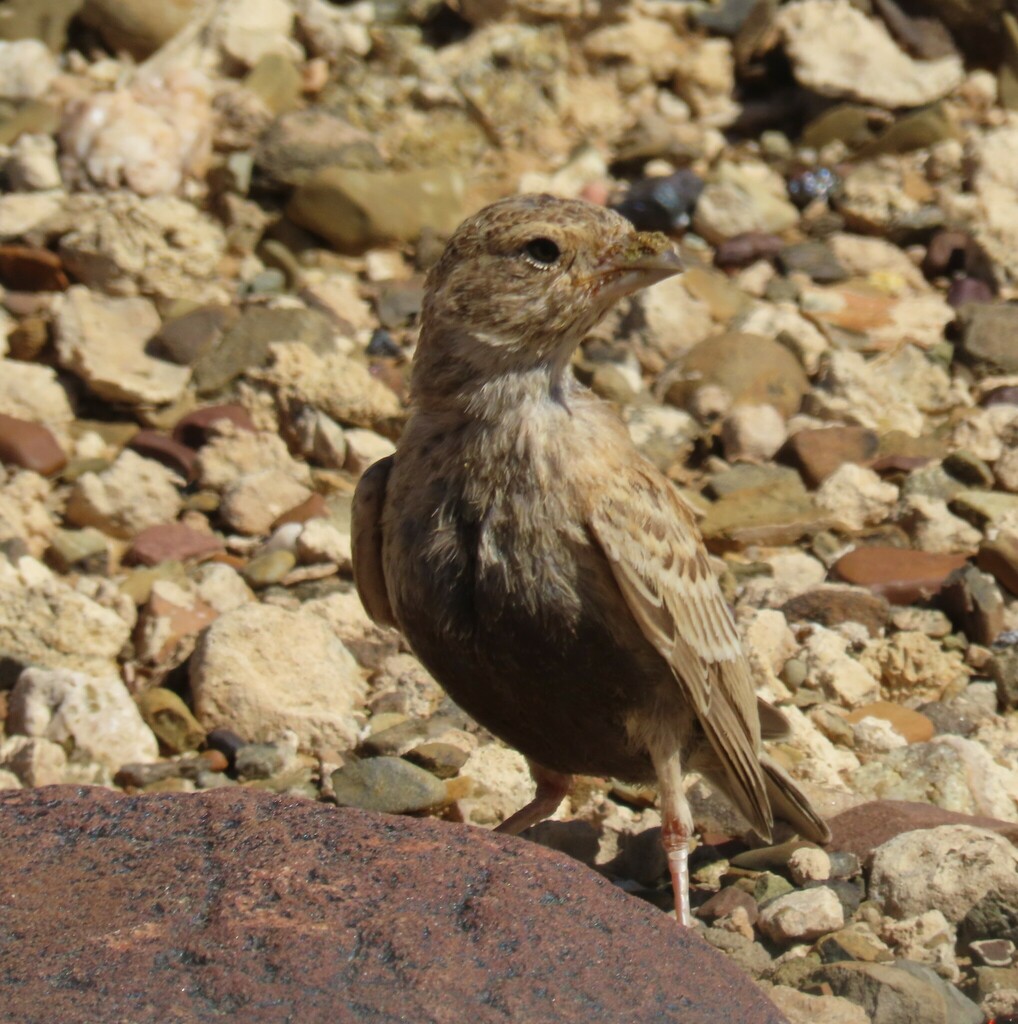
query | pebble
(900,575)
(171,542)
(30,446)
(387,784)
(911,726)
(198,427)
(801,916)
(265,570)
(171,720)
(152,444)
(662,204)
(818,453)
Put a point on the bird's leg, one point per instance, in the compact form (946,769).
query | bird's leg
(676,829)
(552,788)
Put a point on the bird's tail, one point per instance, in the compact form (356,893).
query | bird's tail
(790,804)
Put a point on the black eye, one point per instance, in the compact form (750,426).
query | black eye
(542,251)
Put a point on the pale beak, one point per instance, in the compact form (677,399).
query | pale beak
(648,258)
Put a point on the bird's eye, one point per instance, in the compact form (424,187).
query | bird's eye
(542,251)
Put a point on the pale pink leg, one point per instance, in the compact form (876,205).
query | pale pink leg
(552,788)
(676,830)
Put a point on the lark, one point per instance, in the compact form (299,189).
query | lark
(547,575)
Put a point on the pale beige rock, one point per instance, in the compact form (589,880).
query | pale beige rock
(27,69)
(830,666)
(31,391)
(986,432)
(752,433)
(786,324)
(401,683)
(919,319)
(1005,471)
(319,438)
(339,386)
(837,51)
(324,540)
(261,670)
(364,448)
(877,258)
(339,294)
(103,341)
(346,617)
(948,868)
(743,197)
(801,1008)
(912,665)
(45,622)
(705,79)
(501,784)
(25,510)
(935,528)
(222,587)
(927,938)
(856,497)
(34,761)
(21,212)
(237,453)
(876,736)
(247,30)
(793,572)
(809,864)
(123,499)
(802,915)
(676,320)
(254,501)
(8,780)
(32,165)
(92,714)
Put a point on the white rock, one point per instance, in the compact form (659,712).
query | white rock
(103,339)
(34,761)
(752,433)
(96,714)
(809,864)
(675,319)
(743,197)
(856,496)
(320,439)
(21,212)
(27,68)
(247,30)
(364,448)
(925,939)
(802,916)
(253,502)
(502,784)
(8,780)
(123,499)
(44,622)
(982,431)
(25,512)
(32,166)
(221,587)
(935,528)
(876,736)
(235,453)
(324,540)
(32,392)
(260,670)
(911,665)
(836,50)
(841,676)
(949,868)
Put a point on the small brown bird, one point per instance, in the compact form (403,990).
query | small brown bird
(548,575)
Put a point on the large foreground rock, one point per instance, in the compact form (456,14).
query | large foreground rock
(233,904)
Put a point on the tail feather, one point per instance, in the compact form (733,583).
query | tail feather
(790,804)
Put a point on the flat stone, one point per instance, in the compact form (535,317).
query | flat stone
(802,916)
(833,604)
(816,454)
(153,444)
(724,901)
(196,428)
(387,784)
(899,574)
(167,542)
(861,829)
(744,519)
(984,508)
(30,446)
(913,726)
(434,921)
(987,338)
(973,601)
(752,369)
(26,268)
(84,550)
(171,720)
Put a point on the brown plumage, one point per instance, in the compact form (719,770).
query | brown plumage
(549,576)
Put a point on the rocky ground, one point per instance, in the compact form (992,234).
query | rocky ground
(213,231)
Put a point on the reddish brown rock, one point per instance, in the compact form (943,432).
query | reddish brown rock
(29,269)
(30,446)
(311,508)
(171,541)
(816,454)
(195,428)
(176,456)
(240,905)
(861,829)
(1000,559)
(899,574)
(912,725)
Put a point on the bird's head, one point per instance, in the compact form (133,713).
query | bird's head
(527,277)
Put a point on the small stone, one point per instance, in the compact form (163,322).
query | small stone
(260,760)
(814,259)
(832,604)
(171,542)
(723,902)
(196,428)
(987,336)
(911,726)
(856,497)
(25,268)
(854,942)
(387,784)
(809,864)
(752,433)
(269,568)
(95,715)
(84,550)
(253,502)
(974,603)
(103,341)
(313,508)
(662,204)
(364,448)
(818,453)
(1003,670)
(900,575)
(802,916)
(171,720)
(801,1008)
(30,445)
(172,454)
(140,29)
(124,499)
(443,760)
(26,69)
(985,508)
(994,952)
(743,198)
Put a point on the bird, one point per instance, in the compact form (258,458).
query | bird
(550,577)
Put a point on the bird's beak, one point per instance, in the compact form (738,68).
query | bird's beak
(647,257)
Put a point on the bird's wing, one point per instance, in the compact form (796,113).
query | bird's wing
(366,540)
(651,541)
